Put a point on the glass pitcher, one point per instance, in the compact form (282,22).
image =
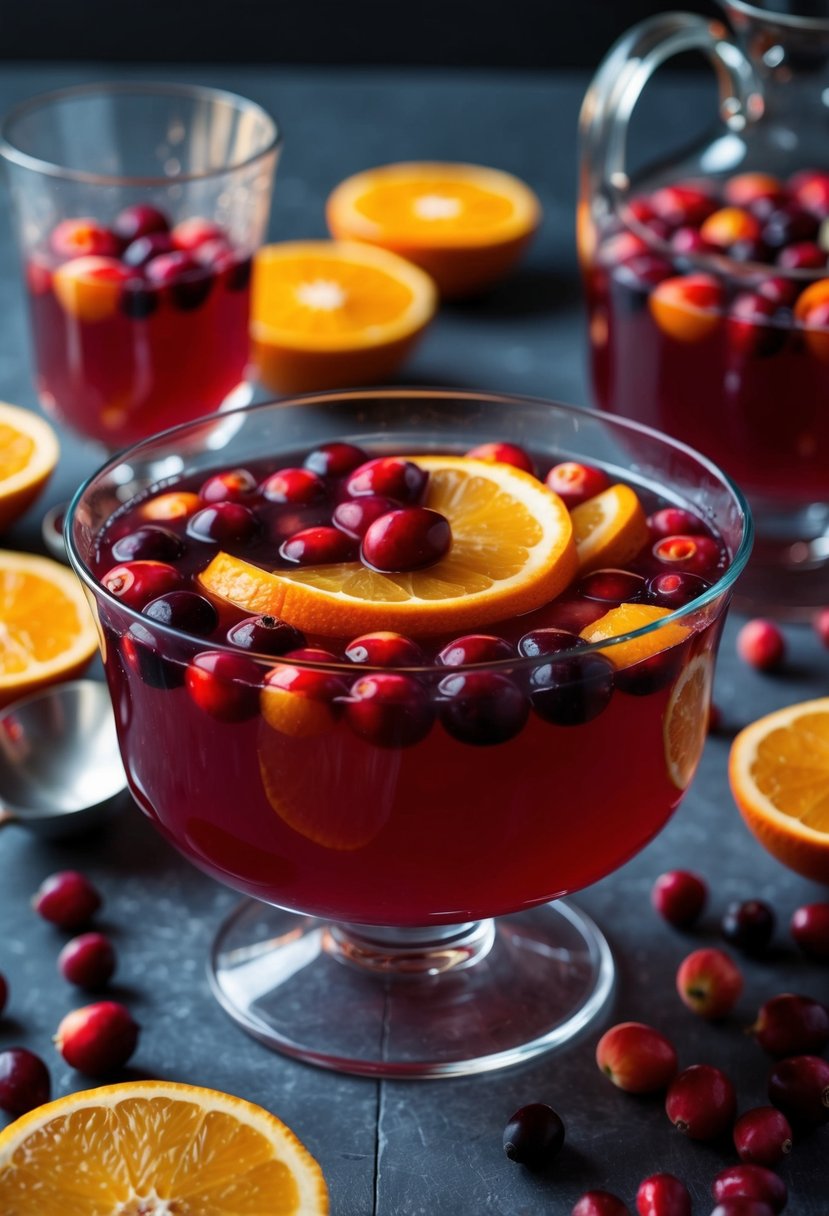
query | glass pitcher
(707,277)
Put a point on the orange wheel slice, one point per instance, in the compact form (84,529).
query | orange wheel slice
(47,632)
(627,618)
(779,775)
(685,727)
(512,552)
(328,314)
(609,529)
(156,1147)
(28,454)
(464,224)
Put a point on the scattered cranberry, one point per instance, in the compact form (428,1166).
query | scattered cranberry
(296,486)
(319,546)
(224,685)
(384,649)
(98,1038)
(799,1086)
(67,899)
(390,477)
(742,1207)
(142,250)
(503,453)
(750,1182)
(265,635)
(534,1135)
(599,1203)
(84,237)
(637,1058)
(748,926)
(354,516)
(675,521)
(701,1102)
(223,522)
(675,589)
(570,691)
(612,586)
(475,648)
(481,707)
(408,539)
(763,1136)
(549,641)
(234,485)
(789,1025)
(761,644)
(821,626)
(695,554)
(750,327)
(150,543)
(334,459)
(4,993)
(24,1081)
(575,483)
(139,220)
(709,982)
(88,961)
(809,927)
(663,1195)
(185,610)
(389,709)
(136,583)
(679,896)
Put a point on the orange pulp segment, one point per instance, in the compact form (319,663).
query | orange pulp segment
(28,454)
(609,529)
(685,726)
(627,618)
(512,552)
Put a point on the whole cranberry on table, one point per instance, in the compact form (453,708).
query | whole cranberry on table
(663,1195)
(534,1135)
(709,982)
(763,1136)
(701,1102)
(679,896)
(24,1081)
(637,1058)
(751,1182)
(809,927)
(599,1203)
(67,899)
(98,1039)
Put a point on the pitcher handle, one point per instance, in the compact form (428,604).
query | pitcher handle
(624,72)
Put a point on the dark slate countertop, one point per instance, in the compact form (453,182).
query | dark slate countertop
(397,1149)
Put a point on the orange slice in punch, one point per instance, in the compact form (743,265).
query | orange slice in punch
(685,726)
(28,454)
(512,552)
(627,618)
(609,529)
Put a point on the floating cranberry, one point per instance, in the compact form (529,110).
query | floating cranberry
(534,1135)
(145,248)
(224,685)
(549,641)
(748,250)
(354,516)
(761,644)
(779,290)
(575,482)
(612,586)
(746,188)
(750,1182)
(619,247)
(408,539)
(709,982)
(599,1203)
(799,1086)
(701,1102)
(144,655)
(674,521)
(137,300)
(682,204)
(139,220)
(748,926)
(751,327)
(642,272)
(384,649)
(789,224)
(4,993)
(303,701)
(503,453)
(390,477)
(190,233)
(789,1025)
(654,672)
(637,1058)
(319,546)
(83,237)
(809,927)
(803,255)
(24,1081)
(234,485)
(821,626)
(663,1195)
(238,272)
(98,1038)
(223,522)
(215,255)
(389,709)
(694,554)
(88,961)
(690,242)
(763,1136)
(475,648)
(67,899)
(150,543)
(679,896)
(675,589)
(729,225)
(265,635)
(136,583)
(481,707)
(188,283)
(334,459)
(571,691)
(810,189)
(184,610)
(296,486)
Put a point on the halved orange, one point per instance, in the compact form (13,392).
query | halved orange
(465,225)
(685,726)
(47,631)
(627,618)
(156,1147)
(330,314)
(610,528)
(28,454)
(779,774)
(512,552)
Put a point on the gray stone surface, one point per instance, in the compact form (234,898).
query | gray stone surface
(406,1149)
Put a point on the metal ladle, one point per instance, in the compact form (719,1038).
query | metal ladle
(60,768)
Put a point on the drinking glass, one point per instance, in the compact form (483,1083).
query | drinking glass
(135,327)
(725,343)
(400,920)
